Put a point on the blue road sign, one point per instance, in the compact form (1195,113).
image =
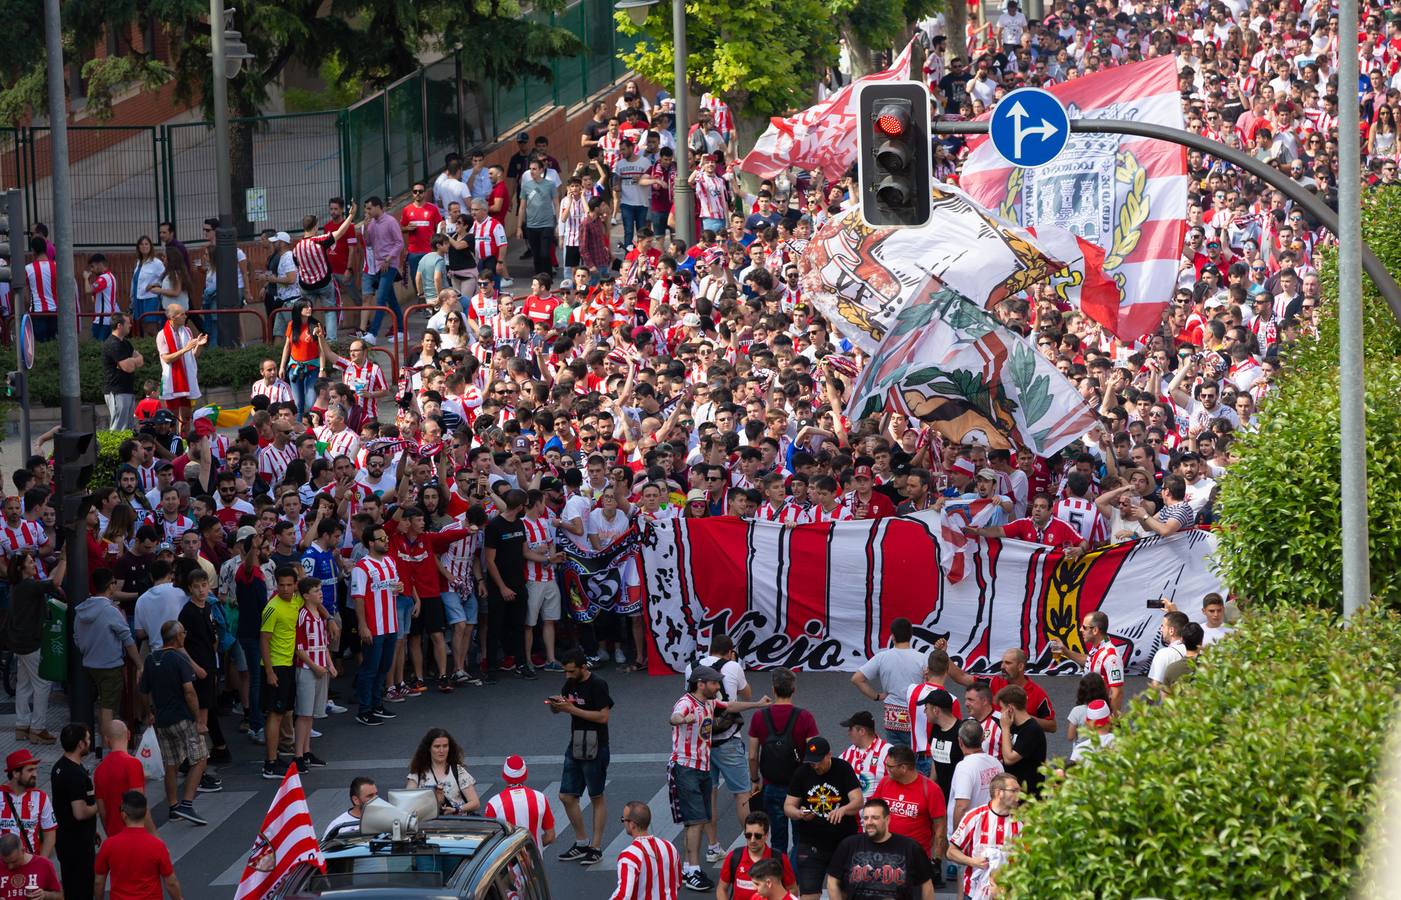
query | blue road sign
(1029,127)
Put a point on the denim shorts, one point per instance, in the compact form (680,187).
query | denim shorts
(692,794)
(729,765)
(459,608)
(405,615)
(579,775)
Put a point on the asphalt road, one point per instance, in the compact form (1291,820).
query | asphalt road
(491,723)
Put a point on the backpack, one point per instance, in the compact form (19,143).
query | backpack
(724,721)
(778,756)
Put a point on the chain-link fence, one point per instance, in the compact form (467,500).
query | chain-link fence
(128,179)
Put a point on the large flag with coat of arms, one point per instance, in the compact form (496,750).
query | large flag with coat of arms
(1123,194)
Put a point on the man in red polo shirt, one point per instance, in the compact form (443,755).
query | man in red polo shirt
(735,881)
(865,502)
(1038,704)
(1039,528)
(917,805)
(419,221)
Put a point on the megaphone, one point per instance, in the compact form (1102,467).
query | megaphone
(403,813)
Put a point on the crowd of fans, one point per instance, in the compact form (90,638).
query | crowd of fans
(372,535)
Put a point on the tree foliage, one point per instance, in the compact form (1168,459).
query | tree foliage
(1281,541)
(1245,782)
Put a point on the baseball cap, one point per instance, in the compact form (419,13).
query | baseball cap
(514,770)
(704,673)
(940,698)
(567,284)
(244,533)
(165,547)
(862,472)
(162,417)
(986,474)
(816,749)
(522,137)
(1097,711)
(695,495)
(550,484)
(282,236)
(861,718)
(690,320)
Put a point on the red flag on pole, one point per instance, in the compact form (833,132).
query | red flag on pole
(285,839)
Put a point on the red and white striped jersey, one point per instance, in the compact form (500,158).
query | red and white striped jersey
(310,256)
(610,147)
(146,477)
(364,379)
(571,220)
(788,511)
(378,582)
(171,528)
(104,298)
(273,462)
(36,813)
(713,195)
(648,869)
(522,807)
(982,830)
(539,535)
(921,725)
(1082,515)
(489,238)
(721,116)
(43,285)
(457,559)
(27,535)
(869,764)
(1104,661)
(338,443)
(277,392)
(690,741)
(839,513)
(312,638)
(992,735)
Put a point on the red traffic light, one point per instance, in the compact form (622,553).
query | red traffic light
(892,122)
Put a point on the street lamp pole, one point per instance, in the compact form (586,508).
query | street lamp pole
(638,11)
(225,235)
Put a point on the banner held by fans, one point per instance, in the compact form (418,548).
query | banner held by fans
(821,597)
(605,580)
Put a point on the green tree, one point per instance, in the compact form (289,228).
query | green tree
(870,26)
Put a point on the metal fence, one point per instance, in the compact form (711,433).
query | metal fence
(128,179)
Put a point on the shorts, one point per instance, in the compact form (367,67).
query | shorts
(238,658)
(592,774)
(311,693)
(108,684)
(810,864)
(431,618)
(181,742)
(283,698)
(541,597)
(693,793)
(459,608)
(405,615)
(729,765)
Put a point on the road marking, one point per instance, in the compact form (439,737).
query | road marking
(181,837)
(662,827)
(562,823)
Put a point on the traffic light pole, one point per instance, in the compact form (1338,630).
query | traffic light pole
(75,585)
(13,212)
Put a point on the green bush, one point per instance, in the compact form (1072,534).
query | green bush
(1255,778)
(217,368)
(104,473)
(1281,541)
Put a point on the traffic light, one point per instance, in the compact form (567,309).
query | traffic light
(10,220)
(894,161)
(75,456)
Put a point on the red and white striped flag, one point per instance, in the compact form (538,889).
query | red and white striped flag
(822,136)
(285,839)
(1125,195)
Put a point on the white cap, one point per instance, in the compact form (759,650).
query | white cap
(282,236)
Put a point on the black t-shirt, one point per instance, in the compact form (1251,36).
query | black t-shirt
(114,380)
(822,794)
(517,165)
(134,573)
(891,870)
(946,754)
(955,89)
(164,677)
(591,695)
(593,130)
(28,603)
(507,538)
(1030,741)
(201,640)
(70,781)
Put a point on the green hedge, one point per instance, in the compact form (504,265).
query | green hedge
(217,368)
(1256,778)
(104,473)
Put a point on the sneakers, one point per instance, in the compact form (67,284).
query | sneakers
(553,666)
(313,761)
(595,661)
(445,685)
(301,765)
(395,695)
(368,338)
(463,677)
(383,713)
(507,663)
(257,735)
(526,672)
(186,810)
(315,733)
(334,709)
(488,678)
(368,718)
(575,853)
(714,853)
(210,785)
(416,689)
(696,880)
(591,856)
(619,656)
(270,771)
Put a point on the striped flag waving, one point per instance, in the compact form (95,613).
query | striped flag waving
(285,839)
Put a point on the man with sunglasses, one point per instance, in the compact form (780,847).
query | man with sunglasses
(737,871)
(419,221)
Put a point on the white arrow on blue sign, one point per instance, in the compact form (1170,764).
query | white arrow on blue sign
(1029,127)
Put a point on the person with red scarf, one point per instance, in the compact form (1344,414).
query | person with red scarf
(178,349)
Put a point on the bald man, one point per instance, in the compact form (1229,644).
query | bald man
(1038,704)
(118,773)
(178,348)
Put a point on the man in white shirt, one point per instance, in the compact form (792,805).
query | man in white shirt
(1011,25)
(1199,486)
(161,604)
(1173,650)
(1215,627)
(972,775)
(362,792)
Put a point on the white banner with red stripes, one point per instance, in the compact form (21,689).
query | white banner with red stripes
(822,597)
(1126,195)
(285,841)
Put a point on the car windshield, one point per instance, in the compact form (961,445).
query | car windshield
(410,870)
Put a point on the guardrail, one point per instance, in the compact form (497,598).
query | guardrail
(264,327)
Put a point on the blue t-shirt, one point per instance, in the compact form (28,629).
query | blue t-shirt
(321,565)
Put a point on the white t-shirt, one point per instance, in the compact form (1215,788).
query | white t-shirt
(606,529)
(893,670)
(379,488)
(1166,656)
(971,778)
(1212,635)
(1198,493)
(1090,745)
(627,172)
(340,820)
(1012,27)
(157,606)
(287,263)
(577,507)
